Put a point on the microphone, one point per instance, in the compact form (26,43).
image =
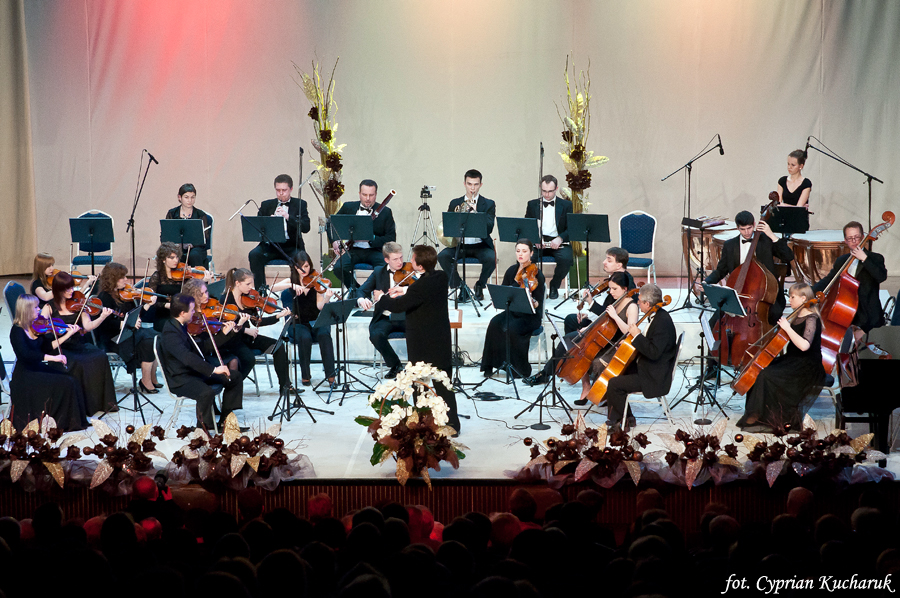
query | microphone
(301,151)
(239,210)
(806,149)
(152,159)
(721,149)
(542,149)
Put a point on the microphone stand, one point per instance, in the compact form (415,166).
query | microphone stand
(137,199)
(541,200)
(869,177)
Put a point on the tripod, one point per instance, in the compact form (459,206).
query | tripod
(428,236)
(549,390)
(140,399)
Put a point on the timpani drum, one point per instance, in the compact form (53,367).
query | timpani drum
(715,248)
(690,243)
(815,253)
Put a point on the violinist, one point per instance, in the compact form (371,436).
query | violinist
(307,303)
(520,325)
(381,326)
(616,260)
(189,374)
(552,215)
(87,362)
(186,210)
(794,189)
(133,350)
(198,290)
(295,214)
(37,387)
(41,276)
(363,252)
(869,270)
(657,349)
(166,281)
(247,336)
(793,380)
(734,253)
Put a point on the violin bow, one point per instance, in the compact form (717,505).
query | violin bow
(143,286)
(213,341)
(184,271)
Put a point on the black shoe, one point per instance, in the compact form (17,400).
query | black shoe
(554,294)
(580,402)
(536,380)
(157,385)
(306,382)
(149,391)
(479,292)
(392,373)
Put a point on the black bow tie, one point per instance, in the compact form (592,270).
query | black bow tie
(548,204)
(746,240)
(365,209)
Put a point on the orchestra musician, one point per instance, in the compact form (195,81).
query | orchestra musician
(247,337)
(554,230)
(37,387)
(40,278)
(188,373)
(307,303)
(186,210)
(521,325)
(381,325)
(88,363)
(869,270)
(616,260)
(794,188)
(133,351)
(163,280)
(199,291)
(428,335)
(651,373)
(363,252)
(472,247)
(794,379)
(735,250)
(294,212)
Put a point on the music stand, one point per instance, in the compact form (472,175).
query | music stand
(550,388)
(587,228)
(350,228)
(789,220)
(466,224)
(513,229)
(90,231)
(128,332)
(263,229)
(284,404)
(182,231)
(336,313)
(513,299)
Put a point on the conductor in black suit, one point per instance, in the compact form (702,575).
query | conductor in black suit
(379,283)
(735,251)
(657,350)
(427,320)
(363,252)
(552,214)
(869,270)
(480,249)
(189,374)
(294,212)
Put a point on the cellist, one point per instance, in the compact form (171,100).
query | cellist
(869,270)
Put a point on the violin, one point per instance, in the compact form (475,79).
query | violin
(75,274)
(92,306)
(213,309)
(527,279)
(600,287)
(316,281)
(405,276)
(199,324)
(254,299)
(771,347)
(625,355)
(184,270)
(129,293)
(42,325)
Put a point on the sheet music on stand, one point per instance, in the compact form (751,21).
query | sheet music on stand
(130,325)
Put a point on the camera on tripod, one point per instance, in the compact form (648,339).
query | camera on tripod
(426,191)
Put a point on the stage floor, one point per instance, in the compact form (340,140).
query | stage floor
(340,449)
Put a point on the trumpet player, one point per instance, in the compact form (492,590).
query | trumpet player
(472,247)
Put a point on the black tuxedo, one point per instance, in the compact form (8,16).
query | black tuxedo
(563,256)
(652,373)
(870,274)
(428,330)
(766,251)
(192,376)
(381,326)
(384,231)
(264,253)
(483,252)
(198,256)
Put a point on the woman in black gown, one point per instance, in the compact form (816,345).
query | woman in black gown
(187,195)
(40,278)
(521,325)
(307,304)
(794,189)
(37,386)
(86,362)
(137,348)
(784,388)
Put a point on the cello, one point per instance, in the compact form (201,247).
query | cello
(590,342)
(625,355)
(771,347)
(757,290)
(842,300)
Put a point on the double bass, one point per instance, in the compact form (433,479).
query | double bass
(625,354)
(842,300)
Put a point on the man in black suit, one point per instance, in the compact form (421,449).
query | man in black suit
(480,249)
(428,319)
(379,283)
(363,252)
(869,270)
(616,260)
(294,212)
(735,251)
(657,350)
(188,373)
(552,214)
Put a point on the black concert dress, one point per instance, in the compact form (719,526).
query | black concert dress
(793,197)
(521,327)
(135,349)
(302,332)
